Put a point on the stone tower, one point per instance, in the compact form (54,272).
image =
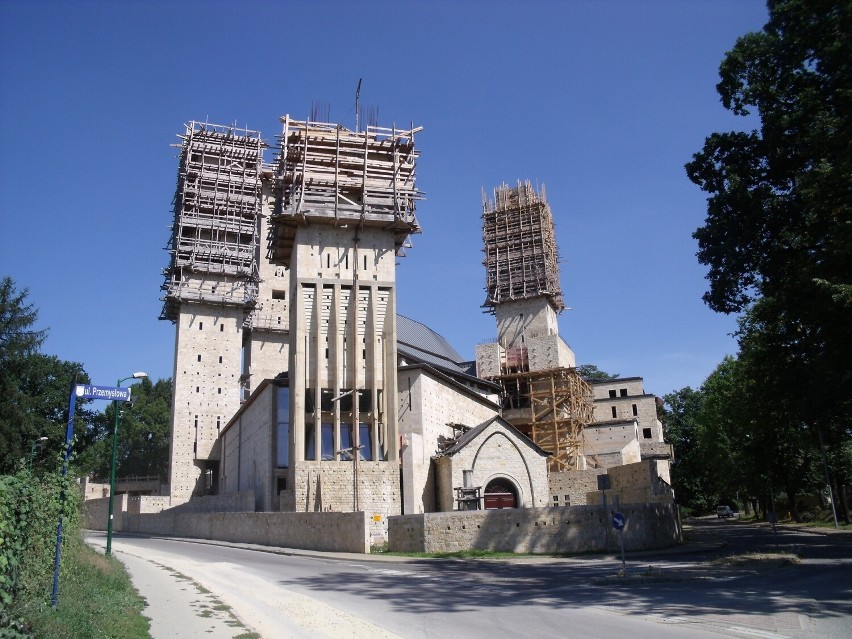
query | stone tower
(521,283)
(345,209)
(226,301)
(543,396)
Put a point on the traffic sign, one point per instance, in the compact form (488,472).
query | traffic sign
(618,521)
(112,393)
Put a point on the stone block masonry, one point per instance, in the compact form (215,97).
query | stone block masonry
(329,532)
(575,529)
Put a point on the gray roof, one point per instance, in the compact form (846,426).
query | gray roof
(419,343)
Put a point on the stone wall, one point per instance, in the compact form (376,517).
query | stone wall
(569,488)
(636,483)
(249,449)
(549,351)
(328,487)
(96,512)
(575,529)
(328,532)
(488,359)
(147,504)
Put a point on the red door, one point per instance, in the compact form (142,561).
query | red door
(499,494)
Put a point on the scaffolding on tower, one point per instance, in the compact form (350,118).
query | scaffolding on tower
(215,238)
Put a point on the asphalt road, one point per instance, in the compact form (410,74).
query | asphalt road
(666,594)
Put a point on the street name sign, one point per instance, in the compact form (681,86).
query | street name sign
(112,393)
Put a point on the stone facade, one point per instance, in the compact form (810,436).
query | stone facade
(493,451)
(249,445)
(429,404)
(611,443)
(643,482)
(208,353)
(625,399)
(570,488)
(330,487)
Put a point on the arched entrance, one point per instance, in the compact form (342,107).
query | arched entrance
(500,493)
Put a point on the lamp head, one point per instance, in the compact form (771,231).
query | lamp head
(42,439)
(139,375)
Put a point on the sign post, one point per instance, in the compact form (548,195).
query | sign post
(618,522)
(85,391)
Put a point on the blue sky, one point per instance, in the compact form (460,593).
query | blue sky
(602,101)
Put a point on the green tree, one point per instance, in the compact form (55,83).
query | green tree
(592,373)
(143,435)
(681,429)
(34,387)
(17,318)
(778,234)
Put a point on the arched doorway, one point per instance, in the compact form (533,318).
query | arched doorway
(500,493)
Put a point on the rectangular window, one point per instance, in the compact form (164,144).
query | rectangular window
(635,410)
(567,500)
(365,400)
(365,434)
(346,442)
(612,393)
(199,358)
(326,397)
(283,428)
(345,401)
(200,325)
(556,499)
(309,442)
(279,295)
(309,400)
(614,414)
(327,432)
(220,359)
(221,328)
(623,392)
(646,433)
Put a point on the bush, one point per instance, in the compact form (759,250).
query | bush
(30,509)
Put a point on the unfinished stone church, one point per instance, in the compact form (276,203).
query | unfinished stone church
(297,381)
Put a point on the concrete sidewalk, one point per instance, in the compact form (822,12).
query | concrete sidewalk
(178,607)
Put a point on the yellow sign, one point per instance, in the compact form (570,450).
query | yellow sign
(377,517)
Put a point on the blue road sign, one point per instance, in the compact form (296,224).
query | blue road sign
(618,521)
(111,393)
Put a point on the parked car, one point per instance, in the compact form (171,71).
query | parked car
(724,511)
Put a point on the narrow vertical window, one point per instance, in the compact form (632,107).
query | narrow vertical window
(200,325)
(635,410)
(613,412)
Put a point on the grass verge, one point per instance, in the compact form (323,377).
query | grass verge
(96,599)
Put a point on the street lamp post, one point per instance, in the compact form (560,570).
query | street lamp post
(33,447)
(138,375)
